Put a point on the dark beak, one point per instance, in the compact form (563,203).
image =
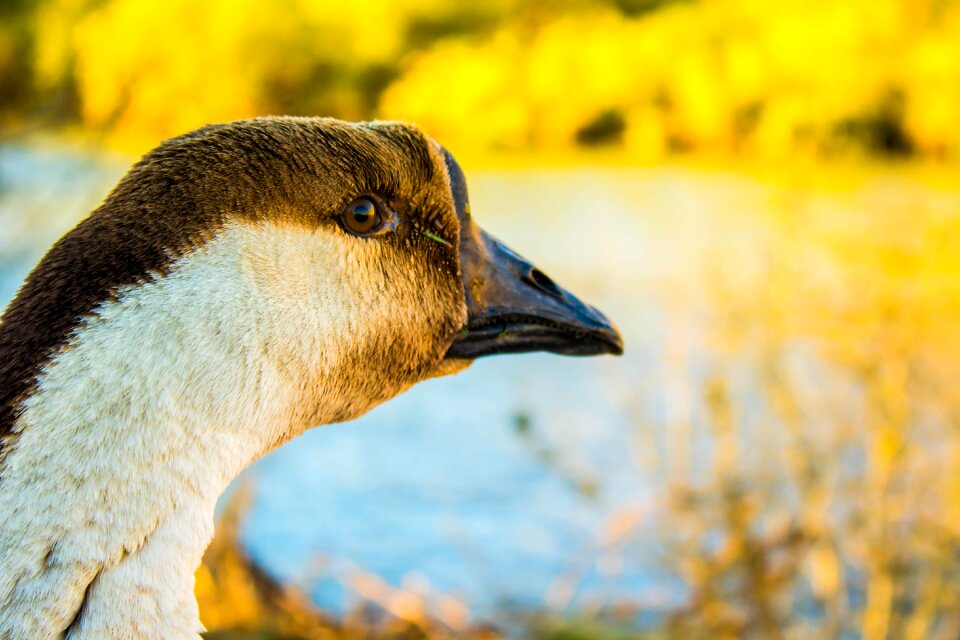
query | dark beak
(512,306)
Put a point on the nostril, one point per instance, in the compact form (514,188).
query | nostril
(542,281)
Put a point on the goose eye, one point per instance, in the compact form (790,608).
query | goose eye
(363,217)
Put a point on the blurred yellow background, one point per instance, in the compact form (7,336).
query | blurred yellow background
(763,195)
(646,77)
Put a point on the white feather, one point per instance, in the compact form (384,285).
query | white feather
(163,396)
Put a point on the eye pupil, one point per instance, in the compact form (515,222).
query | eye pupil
(363,208)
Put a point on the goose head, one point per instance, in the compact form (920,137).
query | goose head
(241,284)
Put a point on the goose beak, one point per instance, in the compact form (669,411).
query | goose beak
(513,307)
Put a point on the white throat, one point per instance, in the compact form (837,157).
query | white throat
(137,426)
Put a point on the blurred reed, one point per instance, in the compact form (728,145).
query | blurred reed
(813,472)
(239,601)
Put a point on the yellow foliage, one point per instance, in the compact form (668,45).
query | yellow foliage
(931,74)
(719,76)
(146,71)
(173,84)
(444,109)
(767,78)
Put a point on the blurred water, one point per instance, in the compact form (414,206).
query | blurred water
(499,485)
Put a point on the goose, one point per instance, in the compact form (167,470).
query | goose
(241,283)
